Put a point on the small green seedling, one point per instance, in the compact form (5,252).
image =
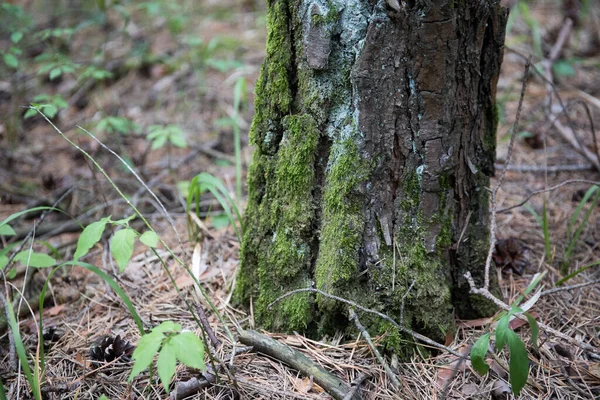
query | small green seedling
(519,361)
(47,105)
(117,125)
(171,344)
(159,135)
(121,244)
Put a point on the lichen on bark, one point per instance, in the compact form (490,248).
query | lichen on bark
(375,140)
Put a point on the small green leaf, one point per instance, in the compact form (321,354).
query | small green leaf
(11,61)
(563,68)
(167,326)
(103,397)
(124,221)
(89,237)
(30,113)
(178,139)
(501,330)
(7,230)
(16,37)
(220,221)
(478,353)
(11,272)
(33,259)
(55,73)
(149,238)
(189,350)
(144,352)
(3,261)
(159,142)
(518,363)
(121,247)
(535,330)
(49,110)
(166,363)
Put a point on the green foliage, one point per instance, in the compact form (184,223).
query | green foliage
(47,104)
(519,361)
(478,353)
(121,245)
(161,134)
(171,344)
(95,73)
(55,65)
(204,182)
(34,259)
(117,125)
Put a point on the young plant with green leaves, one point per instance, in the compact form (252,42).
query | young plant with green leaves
(47,104)
(205,182)
(504,335)
(121,244)
(171,344)
(161,135)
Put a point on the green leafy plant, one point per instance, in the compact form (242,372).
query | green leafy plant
(55,65)
(204,182)
(95,73)
(117,125)
(16,23)
(171,344)
(518,361)
(122,242)
(47,104)
(160,135)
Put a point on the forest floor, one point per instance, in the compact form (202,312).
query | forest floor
(190,69)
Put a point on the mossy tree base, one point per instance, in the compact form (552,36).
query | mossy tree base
(375,139)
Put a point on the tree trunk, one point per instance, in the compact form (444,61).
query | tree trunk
(375,132)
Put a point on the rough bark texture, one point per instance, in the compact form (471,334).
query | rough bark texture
(375,140)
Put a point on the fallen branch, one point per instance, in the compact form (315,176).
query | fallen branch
(194,385)
(271,347)
(355,385)
(365,334)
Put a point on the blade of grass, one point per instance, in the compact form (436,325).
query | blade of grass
(21,353)
(574,274)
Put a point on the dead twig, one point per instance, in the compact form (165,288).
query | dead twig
(194,385)
(384,364)
(355,385)
(569,182)
(494,192)
(567,288)
(271,347)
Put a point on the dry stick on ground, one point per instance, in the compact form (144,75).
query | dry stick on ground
(207,328)
(569,182)
(398,326)
(566,288)
(363,331)
(355,385)
(194,385)
(494,192)
(336,387)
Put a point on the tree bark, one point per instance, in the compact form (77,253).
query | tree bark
(375,133)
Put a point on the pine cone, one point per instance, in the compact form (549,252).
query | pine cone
(110,348)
